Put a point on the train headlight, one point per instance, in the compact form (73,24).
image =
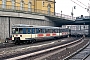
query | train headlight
(16,35)
(13,35)
(20,35)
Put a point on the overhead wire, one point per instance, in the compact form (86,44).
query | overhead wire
(78,4)
(81,3)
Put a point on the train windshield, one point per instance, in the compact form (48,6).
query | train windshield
(17,31)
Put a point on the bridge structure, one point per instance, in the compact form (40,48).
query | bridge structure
(85,20)
(57,18)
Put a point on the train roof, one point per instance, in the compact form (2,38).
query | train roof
(29,26)
(35,26)
(23,25)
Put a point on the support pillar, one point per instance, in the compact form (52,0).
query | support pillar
(89,30)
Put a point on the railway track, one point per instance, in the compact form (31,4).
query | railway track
(11,44)
(59,54)
(5,45)
(39,50)
(6,52)
(80,54)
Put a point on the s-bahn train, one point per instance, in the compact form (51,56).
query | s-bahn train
(32,33)
(78,29)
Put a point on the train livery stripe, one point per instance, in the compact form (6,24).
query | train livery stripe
(53,34)
(40,35)
(48,34)
(63,33)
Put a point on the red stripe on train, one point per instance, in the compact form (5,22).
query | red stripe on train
(40,35)
(48,34)
(63,33)
(53,34)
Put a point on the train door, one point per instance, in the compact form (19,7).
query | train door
(60,32)
(33,33)
(30,32)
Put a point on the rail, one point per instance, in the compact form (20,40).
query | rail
(27,10)
(81,54)
(42,51)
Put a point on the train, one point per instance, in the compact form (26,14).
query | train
(32,33)
(78,29)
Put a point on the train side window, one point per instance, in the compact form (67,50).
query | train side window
(50,30)
(33,30)
(29,31)
(13,31)
(60,30)
(46,30)
(37,30)
(55,30)
(63,30)
(43,30)
(26,30)
(16,30)
(20,30)
(40,30)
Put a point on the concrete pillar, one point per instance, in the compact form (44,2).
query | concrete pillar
(89,30)
(4,27)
